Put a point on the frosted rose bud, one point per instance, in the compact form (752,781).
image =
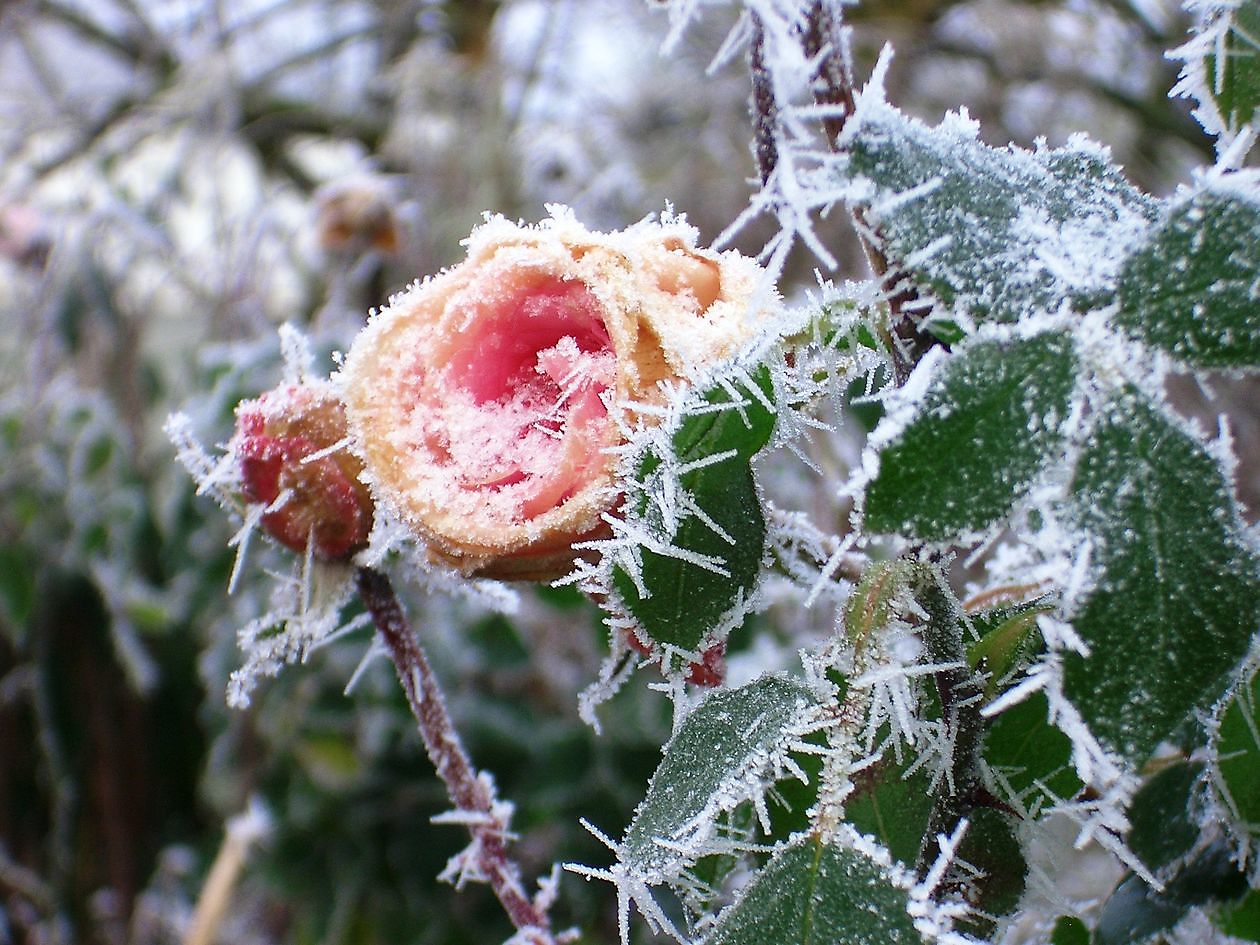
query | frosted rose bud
(708,671)
(356,214)
(483,400)
(282,445)
(24,236)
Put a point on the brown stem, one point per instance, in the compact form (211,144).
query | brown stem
(959,690)
(764,108)
(471,795)
(823,38)
(833,83)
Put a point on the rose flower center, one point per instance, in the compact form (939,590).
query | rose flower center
(522,420)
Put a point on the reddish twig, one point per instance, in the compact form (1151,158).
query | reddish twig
(822,40)
(764,109)
(833,89)
(471,794)
(833,83)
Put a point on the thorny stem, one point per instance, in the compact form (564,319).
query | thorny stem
(471,795)
(833,88)
(833,83)
(959,690)
(822,39)
(765,111)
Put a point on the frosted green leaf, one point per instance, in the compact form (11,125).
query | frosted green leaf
(892,806)
(1234,76)
(1136,910)
(1007,636)
(996,232)
(714,760)
(981,435)
(1176,597)
(874,601)
(1238,751)
(1029,760)
(1163,823)
(1222,71)
(991,848)
(687,600)
(816,892)
(1069,930)
(1193,289)
(1242,919)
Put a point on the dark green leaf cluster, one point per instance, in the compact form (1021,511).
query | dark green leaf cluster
(697,494)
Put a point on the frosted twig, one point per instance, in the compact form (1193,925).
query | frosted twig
(243,831)
(959,690)
(471,793)
(765,108)
(825,43)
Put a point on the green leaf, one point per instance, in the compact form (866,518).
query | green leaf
(685,599)
(817,892)
(499,644)
(18,580)
(1030,761)
(713,762)
(1193,289)
(991,846)
(1162,824)
(875,600)
(986,426)
(1227,87)
(1008,634)
(1136,911)
(1176,597)
(1235,80)
(998,233)
(1238,754)
(892,807)
(1069,930)
(1242,919)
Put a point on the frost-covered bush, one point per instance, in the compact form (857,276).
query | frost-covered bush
(1032,712)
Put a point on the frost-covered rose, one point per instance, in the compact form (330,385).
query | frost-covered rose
(484,400)
(292,442)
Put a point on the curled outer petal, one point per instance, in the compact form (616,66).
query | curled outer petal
(485,400)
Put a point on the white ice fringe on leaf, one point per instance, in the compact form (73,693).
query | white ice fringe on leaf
(1198,82)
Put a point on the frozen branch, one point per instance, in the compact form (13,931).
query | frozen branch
(823,40)
(243,831)
(960,693)
(765,109)
(475,804)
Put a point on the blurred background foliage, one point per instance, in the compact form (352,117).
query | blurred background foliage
(177,178)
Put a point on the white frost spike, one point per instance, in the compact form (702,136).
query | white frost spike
(299,360)
(215,476)
(630,889)
(948,847)
(304,612)
(934,920)
(376,650)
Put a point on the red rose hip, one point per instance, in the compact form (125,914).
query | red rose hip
(292,453)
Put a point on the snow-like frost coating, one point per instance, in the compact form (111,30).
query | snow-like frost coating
(485,400)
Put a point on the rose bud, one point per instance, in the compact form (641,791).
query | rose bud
(24,236)
(354,215)
(282,445)
(708,671)
(485,400)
